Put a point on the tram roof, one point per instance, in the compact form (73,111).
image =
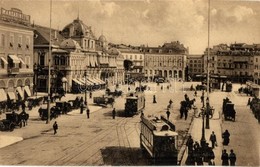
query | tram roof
(165,133)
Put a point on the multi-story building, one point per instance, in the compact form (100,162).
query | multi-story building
(235,62)
(136,56)
(195,66)
(256,66)
(168,61)
(16,55)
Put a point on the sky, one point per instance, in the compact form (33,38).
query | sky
(151,22)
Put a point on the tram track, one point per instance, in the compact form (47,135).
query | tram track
(83,147)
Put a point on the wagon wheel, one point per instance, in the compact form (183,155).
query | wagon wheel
(11,127)
(2,126)
(20,124)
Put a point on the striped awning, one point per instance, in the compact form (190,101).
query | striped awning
(3,96)
(27,91)
(3,59)
(11,95)
(101,81)
(77,81)
(88,82)
(91,80)
(14,58)
(21,60)
(20,92)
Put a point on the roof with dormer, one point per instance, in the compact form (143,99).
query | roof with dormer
(77,29)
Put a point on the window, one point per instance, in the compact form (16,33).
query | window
(41,59)
(27,61)
(256,59)
(131,57)
(135,57)
(28,42)
(62,60)
(20,42)
(141,57)
(195,61)
(151,72)
(11,40)
(2,40)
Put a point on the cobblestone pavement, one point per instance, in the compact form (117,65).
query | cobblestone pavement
(99,140)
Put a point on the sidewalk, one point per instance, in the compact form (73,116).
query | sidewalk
(215,125)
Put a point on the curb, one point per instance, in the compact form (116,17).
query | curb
(184,148)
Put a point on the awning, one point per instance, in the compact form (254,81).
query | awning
(14,58)
(3,96)
(88,82)
(77,82)
(20,92)
(22,61)
(97,81)
(27,90)
(91,80)
(101,81)
(3,59)
(11,95)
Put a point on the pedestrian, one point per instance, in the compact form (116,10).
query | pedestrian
(202,98)
(81,108)
(168,114)
(213,139)
(211,157)
(55,127)
(88,111)
(154,99)
(232,158)
(114,113)
(195,93)
(186,113)
(161,87)
(248,102)
(189,143)
(224,158)
(225,137)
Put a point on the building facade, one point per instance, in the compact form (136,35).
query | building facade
(167,61)
(195,66)
(235,61)
(16,55)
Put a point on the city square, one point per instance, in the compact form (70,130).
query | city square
(134,83)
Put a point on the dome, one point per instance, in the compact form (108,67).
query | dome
(70,44)
(102,38)
(77,29)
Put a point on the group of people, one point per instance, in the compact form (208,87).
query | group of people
(197,154)
(228,159)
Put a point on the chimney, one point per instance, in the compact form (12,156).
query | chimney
(55,34)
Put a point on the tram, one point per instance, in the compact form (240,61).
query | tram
(159,139)
(135,103)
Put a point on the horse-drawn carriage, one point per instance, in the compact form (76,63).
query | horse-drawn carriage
(75,104)
(34,101)
(104,100)
(255,107)
(117,92)
(12,120)
(228,110)
(54,112)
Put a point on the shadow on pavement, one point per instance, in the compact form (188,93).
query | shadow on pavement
(116,156)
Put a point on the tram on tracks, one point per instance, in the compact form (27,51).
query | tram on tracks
(159,139)
(135,103)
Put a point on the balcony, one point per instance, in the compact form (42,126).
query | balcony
(14,70)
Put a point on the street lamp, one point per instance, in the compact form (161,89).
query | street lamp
(207,113)
(85,75)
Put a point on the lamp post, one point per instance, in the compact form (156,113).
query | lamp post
(207,113)
(203,140)
(85,75)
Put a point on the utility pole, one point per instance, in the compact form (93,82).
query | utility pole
(49,71)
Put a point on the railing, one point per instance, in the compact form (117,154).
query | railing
(14,70)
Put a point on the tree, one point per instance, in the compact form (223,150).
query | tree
(128,65)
